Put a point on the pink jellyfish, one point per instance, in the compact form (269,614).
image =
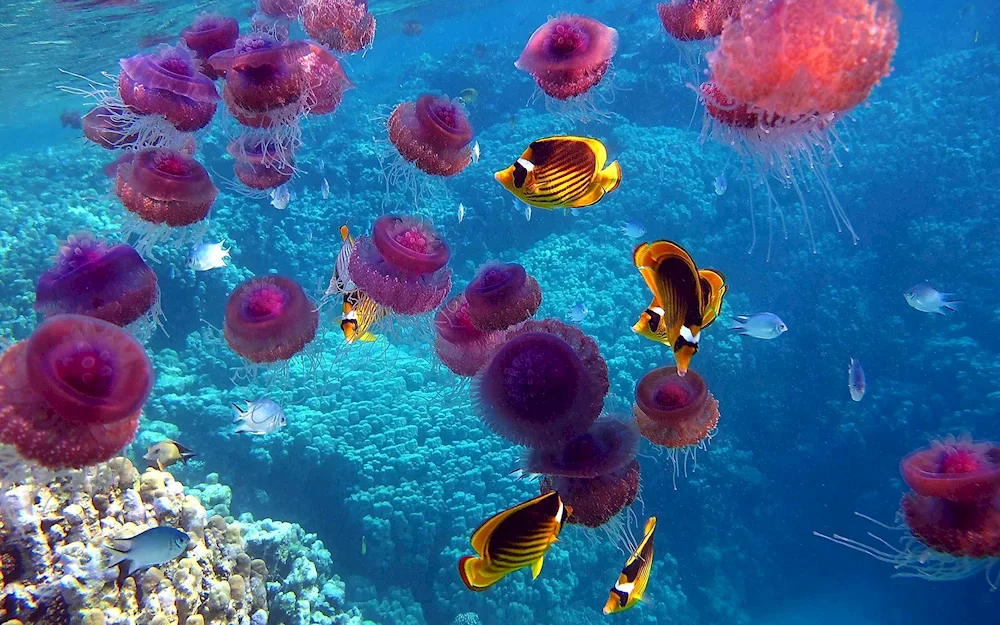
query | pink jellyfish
(208,34)
(433,133)
(260,163)
(460,345)
(168,82)
(343,25)
(502,295)
(269,319)
(325,79)
(692,20)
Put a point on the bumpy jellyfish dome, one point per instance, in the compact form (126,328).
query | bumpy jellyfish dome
(674,411)
(269,319)
(260,163)
(70,396)
(961,529)
(502,295)
(954,469)
(208,34)
(693,20)
(568,55)
(89,278)
(168,82)
(544,385)
(595,501)
(262,73)
(460,345)
(610,444)
(166,187)
(325,80)
(402,265)
(805,57)
(433,133)
(343,25)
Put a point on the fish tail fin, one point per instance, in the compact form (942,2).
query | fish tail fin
(536,567)
(951,304)
(117,557)
(611,177)
(470,568)
(737,325)
(243,427)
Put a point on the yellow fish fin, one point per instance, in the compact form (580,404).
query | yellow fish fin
(368,337)
(714,288)
(536,567)
(610,177)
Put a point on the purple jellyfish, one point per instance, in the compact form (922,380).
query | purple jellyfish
(502,295)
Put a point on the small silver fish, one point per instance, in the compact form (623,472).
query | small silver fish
(527,212)
(309,233)
(207,256)
(322,164)
(856,380)
(578,312)
(324,189)
(925,298)
(260,417)
(153,547)
(173,273)
(461,212)
(280,197)
(633,230)
(721,185)
(475,152)
(760,326)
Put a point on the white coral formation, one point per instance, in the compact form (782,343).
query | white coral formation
(54,531)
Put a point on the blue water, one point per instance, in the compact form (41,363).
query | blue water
(384,447)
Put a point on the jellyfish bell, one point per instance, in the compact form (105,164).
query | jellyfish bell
(601,498)
(71,395)
(956,469)
(269,319)
(325,79)
(502,295)
(90,278)
(460,345)
(432,133)
(210,33)
(342,25)
(168,82)
(402,266)
(543,385)
(610,444)
(280,8)
(262,73)
(963,529)
(695,20)
(260,163)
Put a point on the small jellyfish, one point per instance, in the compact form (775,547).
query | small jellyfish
(208,34)
(502,295)
(168,82)
(269,319)
(459,344)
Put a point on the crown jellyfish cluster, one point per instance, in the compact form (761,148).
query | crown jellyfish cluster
(71,395)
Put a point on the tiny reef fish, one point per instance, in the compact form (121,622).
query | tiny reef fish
(856,380)
(153,547)
(760,325)
(562,172)
(262,416)
(925,298)
(631,584)
(208,256)
(685,300)
(514,539)
(167,453)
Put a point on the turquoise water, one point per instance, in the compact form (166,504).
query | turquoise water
(385,459)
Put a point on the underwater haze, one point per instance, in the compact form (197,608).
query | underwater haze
(338,475)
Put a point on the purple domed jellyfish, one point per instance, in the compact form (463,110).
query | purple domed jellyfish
(597,501)
(544,385)
(89,278)
(269,319)
(608,445)
(261,163)
(208,34)
(402,265)
(502,295)
(168,82)
(461,346)
(263,75)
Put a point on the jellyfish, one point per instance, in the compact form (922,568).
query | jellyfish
(70,396)
(168,82)
(783,76)
(502,295)
(543,385)
(260,163)
(949,525)
(269,319)
(325,80)
(694,20)
(342,25)
(610,444)
(280,8)
(402,266)
(109,283)
(208,34)
(459,344)
(675,412)
(597,501)
(103,127)
(167,193)
(432,133)
(568,56)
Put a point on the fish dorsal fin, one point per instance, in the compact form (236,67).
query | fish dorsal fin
(481,537)
(714,287)
(345,234)
(673,278)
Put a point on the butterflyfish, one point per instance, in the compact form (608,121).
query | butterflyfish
(562,172)
(340,282)
(685,300)
(631,584)
(514,539)
(360,314)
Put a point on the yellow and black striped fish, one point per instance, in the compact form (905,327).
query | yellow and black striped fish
(631,584)
(685,300)
(562,172)
(360,313)
(514,539)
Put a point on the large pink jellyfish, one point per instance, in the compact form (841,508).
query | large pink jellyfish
(164,190)
(168,82)
(261,163)
(502,295)
(460,345)
(269,319)
(90,278)
(433,133)
(403,265)
(325,79)
(70,396)
(544,385)
(343,25)
(208,34)
(950,523)
(599,499)
(568,55)
(693,20)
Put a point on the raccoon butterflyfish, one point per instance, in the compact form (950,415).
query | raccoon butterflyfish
(685,300)
(514,539)
(631,584)
(360,314)
(562,172)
